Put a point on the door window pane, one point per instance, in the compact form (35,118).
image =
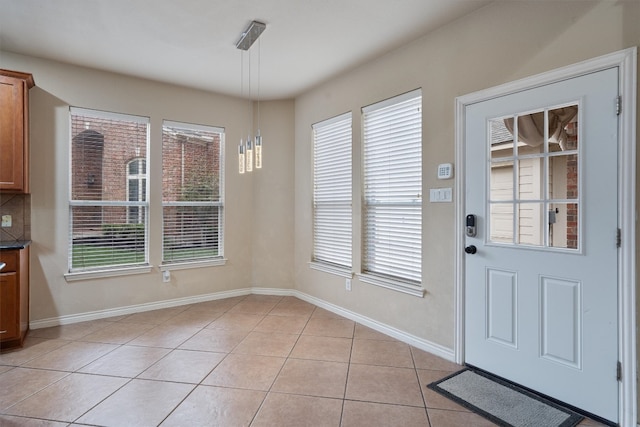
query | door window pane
(501,226)
(501,179)
(534,184)
(563,225)
(530,224)
(563,177)
(501,139)
(530,173)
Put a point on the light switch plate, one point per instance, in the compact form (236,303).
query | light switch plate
(440,195)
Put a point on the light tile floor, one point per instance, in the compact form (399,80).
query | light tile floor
(255,360)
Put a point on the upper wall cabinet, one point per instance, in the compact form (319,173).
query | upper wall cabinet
(14,131)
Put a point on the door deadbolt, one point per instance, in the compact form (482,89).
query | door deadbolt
(471,229)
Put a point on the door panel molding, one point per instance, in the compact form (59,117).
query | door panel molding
(561,321)
(626,62)
(502,317)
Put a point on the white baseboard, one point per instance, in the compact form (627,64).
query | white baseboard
(131,309)
(273,291)
(422,344)
(417,342)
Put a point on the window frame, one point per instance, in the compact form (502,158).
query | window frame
(108,270)
(406,279)
(339,259)
(219,259)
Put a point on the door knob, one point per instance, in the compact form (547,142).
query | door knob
(471,249)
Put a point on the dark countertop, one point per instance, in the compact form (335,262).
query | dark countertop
(14,244)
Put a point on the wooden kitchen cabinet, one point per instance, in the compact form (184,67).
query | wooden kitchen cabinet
(14,297)
(14,131)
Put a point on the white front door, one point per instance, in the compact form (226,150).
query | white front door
(541,288)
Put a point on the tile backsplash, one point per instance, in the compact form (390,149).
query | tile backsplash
(18,207)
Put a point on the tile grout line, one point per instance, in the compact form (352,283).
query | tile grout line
(288,357)
(130,380)
(281,367)
(424,400)
(346,382)
(195,386)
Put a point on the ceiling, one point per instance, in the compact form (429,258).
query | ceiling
(192,42)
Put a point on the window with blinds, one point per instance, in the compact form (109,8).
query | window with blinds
(332,190)
(108,202)
(392,173)
(192,192)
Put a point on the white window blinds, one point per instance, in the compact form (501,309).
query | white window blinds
(392,211)
(108,181)
(192,192)
(332,190)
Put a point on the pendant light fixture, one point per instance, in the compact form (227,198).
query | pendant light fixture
(258,145)
(246,149)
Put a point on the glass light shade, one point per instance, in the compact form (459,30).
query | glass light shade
(241,157)
(249,156)
(258,151)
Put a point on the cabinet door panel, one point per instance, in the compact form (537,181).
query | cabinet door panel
(9,321)
(11,134)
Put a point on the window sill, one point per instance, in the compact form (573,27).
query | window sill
(327,268)
(99,274)
(395,285)
(184,265)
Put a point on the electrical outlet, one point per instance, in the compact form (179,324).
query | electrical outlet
(166,276)
(348,284)
(6,220)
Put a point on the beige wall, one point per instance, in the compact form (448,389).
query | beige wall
(268,214)
(273,199)
(57,87)
(502,42)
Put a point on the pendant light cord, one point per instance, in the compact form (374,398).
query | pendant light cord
(249,96)
(259,45)
(241,74)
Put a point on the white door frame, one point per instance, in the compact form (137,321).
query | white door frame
(626,61)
